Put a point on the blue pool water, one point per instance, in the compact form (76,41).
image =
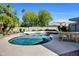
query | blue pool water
(32,39)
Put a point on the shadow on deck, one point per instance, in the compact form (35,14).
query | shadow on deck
(62,48)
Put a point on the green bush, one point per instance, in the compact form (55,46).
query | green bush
(20,30)
(64,28)
(59,28)
(50,30)
(23,30)
(33,30)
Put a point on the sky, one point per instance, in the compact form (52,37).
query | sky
(57,10)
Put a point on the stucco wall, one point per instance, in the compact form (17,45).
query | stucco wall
(34,28)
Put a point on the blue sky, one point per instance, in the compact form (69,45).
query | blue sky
(57,10)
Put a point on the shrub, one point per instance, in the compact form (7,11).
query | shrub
(50,30)
(59,28)
(23,30)
(20,30)
(64,28)
(33,30)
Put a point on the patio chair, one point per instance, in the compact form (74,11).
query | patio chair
(73,36)
(63,35)
(77,37)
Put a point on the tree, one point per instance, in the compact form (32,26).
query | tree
(6,21)
(14,22)
(44,17)
(30,18)
(8,17)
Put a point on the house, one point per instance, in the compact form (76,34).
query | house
(74,27)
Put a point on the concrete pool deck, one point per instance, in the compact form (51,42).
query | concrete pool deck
(7,49)
(55,47)
(63,48)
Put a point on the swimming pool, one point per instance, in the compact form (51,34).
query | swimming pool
(30,39)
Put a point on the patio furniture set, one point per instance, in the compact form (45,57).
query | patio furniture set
(69,36)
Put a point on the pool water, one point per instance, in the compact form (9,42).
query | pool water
(33,39)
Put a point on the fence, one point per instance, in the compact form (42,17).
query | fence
(33,28)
